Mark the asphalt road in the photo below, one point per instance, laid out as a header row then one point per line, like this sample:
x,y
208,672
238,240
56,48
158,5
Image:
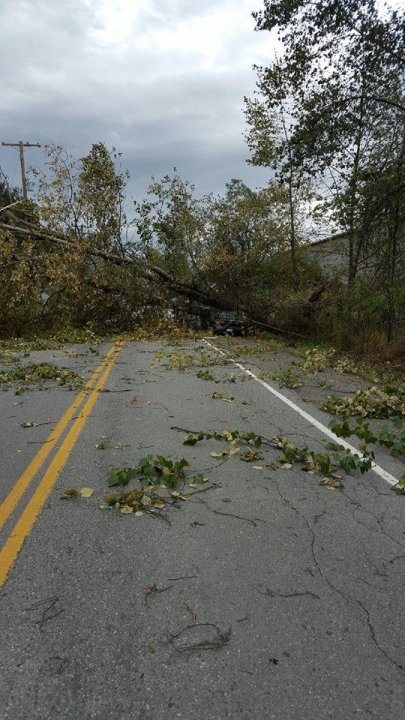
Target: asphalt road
x,y
262,596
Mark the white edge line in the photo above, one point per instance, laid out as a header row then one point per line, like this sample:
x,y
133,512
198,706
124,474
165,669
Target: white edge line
x,y
325,430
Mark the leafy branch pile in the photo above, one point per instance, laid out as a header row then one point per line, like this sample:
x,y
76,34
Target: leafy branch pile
x,y
222,396
23,376
154,474
232,437
392,438
317,359
181,361
325,463
11,349
288,378
372,402
178,361
345,365
160,481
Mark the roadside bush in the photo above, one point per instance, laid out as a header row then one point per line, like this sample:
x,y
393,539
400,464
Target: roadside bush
x,y
364,320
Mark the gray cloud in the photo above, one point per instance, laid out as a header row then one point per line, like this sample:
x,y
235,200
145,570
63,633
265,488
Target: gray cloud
x,y
166,87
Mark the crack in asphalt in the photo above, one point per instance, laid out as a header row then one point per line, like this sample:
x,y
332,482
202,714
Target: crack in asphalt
x,y
251,521
276,594
347,597
379,521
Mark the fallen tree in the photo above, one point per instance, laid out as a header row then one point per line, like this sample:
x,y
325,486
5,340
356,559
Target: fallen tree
x,y
278,320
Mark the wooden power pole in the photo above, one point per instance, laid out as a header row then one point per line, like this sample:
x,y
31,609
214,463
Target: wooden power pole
x,y
21,145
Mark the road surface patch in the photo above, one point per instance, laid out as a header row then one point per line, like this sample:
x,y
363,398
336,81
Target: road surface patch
x,y
24,525
24,481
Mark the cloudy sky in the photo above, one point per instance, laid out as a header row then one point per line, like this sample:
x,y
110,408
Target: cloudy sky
x,y
162,80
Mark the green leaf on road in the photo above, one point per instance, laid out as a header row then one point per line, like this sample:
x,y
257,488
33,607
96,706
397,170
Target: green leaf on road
x,y
399,488
121,476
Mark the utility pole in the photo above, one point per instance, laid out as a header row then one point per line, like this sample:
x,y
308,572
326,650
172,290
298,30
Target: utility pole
x,y
21,145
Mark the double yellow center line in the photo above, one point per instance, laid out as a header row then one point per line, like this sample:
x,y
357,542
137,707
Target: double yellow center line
x,y
15,540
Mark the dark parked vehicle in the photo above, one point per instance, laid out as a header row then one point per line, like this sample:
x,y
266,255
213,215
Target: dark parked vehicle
x,y
229,324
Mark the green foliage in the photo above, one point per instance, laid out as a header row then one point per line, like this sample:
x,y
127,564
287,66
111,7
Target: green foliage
x,y
159,469
8,194
359,318
11,349
349,461
194,438
290,453
205,375
392,437
324,463
288,378
22,268
132,501
211,360
284,289
248,350
221,243
253,441
154,470
84,199
399,488
170,225
70,334
245,228
270,141
20,265
121,476
175,361
152,473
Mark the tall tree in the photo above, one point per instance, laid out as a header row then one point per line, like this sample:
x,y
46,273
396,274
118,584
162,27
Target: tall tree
x,y
170,227
57,192
245,228
270,138
101,189
83,200
342,66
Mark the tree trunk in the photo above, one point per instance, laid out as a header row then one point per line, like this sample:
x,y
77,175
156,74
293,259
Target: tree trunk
x,y
354,253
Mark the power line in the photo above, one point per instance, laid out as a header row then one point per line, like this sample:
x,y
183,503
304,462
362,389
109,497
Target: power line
x,y
21,145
